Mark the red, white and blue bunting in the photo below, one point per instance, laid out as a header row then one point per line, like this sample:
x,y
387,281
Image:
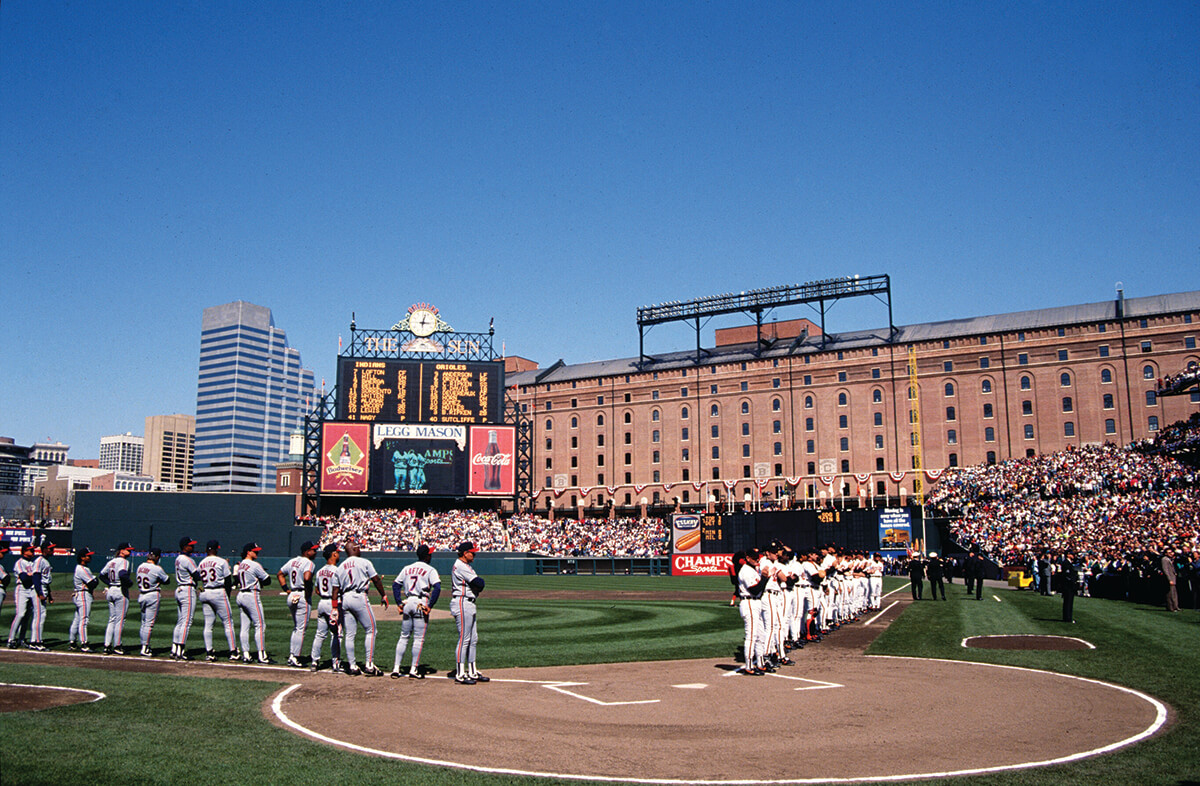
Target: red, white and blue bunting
x,y
862,477
729,484
697,485
897,476
793,481
638,488
828,479
762,484
585,490
934,474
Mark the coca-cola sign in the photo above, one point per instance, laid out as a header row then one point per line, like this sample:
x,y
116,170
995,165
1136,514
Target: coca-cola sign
x,y
493,471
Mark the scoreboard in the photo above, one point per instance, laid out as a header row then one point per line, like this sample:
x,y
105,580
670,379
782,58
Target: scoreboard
x,y
420,391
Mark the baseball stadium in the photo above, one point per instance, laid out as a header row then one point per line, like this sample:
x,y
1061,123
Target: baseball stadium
x,y
595,592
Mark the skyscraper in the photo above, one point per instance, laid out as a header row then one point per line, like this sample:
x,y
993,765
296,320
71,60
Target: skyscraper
x,y
251,394
170,445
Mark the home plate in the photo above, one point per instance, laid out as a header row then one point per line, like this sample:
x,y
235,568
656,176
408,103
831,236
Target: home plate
x,y
692,686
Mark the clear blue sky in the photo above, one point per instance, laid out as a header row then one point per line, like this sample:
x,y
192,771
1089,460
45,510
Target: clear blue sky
x,y
556,165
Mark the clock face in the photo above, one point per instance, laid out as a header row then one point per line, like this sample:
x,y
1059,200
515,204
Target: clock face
x,y
422,322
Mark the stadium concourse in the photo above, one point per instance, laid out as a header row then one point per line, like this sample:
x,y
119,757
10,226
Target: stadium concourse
x,y
1119,510
404,530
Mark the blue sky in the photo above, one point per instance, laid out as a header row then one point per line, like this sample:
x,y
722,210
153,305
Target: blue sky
x,y
556,165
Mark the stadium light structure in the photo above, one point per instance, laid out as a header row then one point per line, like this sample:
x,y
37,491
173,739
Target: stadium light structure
x,y
817,294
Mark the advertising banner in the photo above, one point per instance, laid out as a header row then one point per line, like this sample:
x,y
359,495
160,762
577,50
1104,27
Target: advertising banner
x,y
685,534
344,457
701,564
17,537
418,458
493,464
895,529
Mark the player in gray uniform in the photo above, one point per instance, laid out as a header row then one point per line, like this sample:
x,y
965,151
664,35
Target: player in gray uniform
x,y
28,596
150,580
83,583
465,587
187,578
296,577
329,581
42,566
416,590
252,577
214,599
116,576
5,576
356,607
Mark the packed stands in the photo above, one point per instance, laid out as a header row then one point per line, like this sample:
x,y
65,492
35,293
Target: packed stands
x,y
404,530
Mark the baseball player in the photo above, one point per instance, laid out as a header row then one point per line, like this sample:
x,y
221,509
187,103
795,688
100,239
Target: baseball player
x,y
875,580
115,576
748,587
416,590
187,578
793,594
83,584
296,576
5,576
28,597
252,577
772,605
465,587
356,607
150,580
329,581
214,598
42,565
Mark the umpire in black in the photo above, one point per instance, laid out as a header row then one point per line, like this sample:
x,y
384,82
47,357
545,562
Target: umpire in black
x,y
916,575
935,569
974,570
1070,585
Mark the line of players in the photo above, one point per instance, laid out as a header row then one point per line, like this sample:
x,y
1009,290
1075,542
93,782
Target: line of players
x,y
342,593
786,598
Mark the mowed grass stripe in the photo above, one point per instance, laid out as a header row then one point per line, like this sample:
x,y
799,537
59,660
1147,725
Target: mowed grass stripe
x,y
1141,647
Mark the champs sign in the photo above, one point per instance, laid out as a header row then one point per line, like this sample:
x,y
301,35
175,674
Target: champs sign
x,y
701,564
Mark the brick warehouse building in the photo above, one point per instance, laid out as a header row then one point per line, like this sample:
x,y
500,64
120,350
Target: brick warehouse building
x,y
815,415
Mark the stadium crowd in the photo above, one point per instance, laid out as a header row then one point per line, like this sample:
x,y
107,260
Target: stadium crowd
x,y
404,530
1113,511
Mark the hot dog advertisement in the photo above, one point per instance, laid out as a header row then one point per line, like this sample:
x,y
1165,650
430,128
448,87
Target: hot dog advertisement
x,y
685,534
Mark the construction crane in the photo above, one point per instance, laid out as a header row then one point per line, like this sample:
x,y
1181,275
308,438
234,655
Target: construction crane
x,y
914,402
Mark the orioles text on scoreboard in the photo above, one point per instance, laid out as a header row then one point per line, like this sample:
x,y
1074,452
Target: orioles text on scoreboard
x,y
420,391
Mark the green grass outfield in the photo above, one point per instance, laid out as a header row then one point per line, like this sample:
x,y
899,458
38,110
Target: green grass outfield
x,y
167,729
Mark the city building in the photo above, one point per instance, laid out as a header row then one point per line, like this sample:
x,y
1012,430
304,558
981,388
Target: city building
x,y
809,417
251,393
170,448
21,466
56,493
121,453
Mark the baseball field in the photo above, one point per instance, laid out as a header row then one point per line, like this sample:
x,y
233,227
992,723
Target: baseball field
x,y
611,678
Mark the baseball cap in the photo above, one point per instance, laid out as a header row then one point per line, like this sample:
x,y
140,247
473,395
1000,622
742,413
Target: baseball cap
x,y
423,552
4,545
251,546
466,546
83,551
329,549
214,544
124,545
306,545
185,541
156,552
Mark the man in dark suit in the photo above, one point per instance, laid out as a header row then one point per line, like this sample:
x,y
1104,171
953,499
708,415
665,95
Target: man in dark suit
x,y
975,571
1069,575
1169,573
916,575
935,569
1043,567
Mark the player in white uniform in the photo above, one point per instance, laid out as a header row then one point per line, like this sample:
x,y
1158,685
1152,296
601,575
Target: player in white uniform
x,y
356,608
187,579
83,583
28,595
329,582
252,577
42,566
748,586
214,599
296,577
416,590
772,606
150,580
465,587
116,576
794,595
874,570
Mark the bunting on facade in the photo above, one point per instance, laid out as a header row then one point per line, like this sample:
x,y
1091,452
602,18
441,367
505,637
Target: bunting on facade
x,y
585,490
793,481
729,484
612,490
668,486
897,476
827,479
638,488
698,485
862,477
761,483
934,474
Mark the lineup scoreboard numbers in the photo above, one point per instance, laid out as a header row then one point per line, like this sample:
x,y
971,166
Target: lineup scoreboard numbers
x,y
715,534
420,391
